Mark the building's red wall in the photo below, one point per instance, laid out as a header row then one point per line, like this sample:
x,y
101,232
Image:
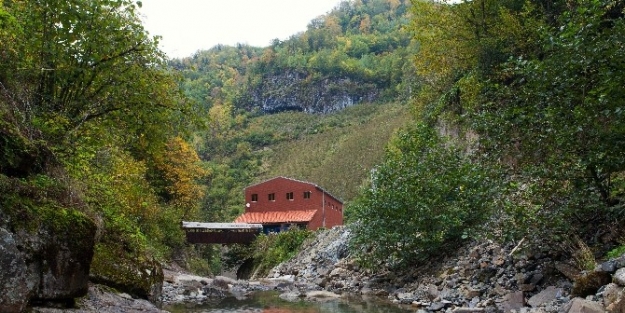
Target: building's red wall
x,y
333,217
280,186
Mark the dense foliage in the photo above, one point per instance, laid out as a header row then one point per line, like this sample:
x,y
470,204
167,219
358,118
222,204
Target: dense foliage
x,y
423,200
534,89
88,105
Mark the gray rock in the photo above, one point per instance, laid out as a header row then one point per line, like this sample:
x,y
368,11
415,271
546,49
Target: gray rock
x,y
467,310
512,301
579,305
545,296
612,296
620,261
608,266
619,277
536,278
292,296
102,300
406,297
310,96
13,276
52,263
437,306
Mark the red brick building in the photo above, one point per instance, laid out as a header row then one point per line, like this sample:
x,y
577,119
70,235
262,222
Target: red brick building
x,y
281,202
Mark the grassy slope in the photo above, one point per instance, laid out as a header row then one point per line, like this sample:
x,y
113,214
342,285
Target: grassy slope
x,y
335,151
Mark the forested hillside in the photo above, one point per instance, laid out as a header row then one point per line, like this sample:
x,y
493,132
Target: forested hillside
x,y
259,117
359,52
335,151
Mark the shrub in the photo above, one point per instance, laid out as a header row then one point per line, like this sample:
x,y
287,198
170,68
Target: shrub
x,y
272,249
426,196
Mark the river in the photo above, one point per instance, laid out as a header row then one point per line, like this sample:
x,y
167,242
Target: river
x,y
269,302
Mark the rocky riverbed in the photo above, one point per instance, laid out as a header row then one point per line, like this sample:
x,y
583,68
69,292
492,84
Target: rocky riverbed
x,y
480,277
185,288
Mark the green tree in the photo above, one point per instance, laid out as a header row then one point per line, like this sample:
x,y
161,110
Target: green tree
x,y
426,196
559,117
83,61
85,92
537,82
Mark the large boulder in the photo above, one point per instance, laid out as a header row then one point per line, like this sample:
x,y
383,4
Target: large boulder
x,y
614,298
45,258
141,277
619,276
102,299
59,254
579,305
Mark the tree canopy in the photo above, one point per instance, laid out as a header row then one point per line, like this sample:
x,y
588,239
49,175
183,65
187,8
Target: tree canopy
x,y
88,103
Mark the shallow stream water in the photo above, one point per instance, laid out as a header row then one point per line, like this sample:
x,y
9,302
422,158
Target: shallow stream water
x,y
269,302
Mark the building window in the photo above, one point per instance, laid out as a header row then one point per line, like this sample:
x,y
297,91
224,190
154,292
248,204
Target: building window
x,y
306,194
289,196
272,197
254,197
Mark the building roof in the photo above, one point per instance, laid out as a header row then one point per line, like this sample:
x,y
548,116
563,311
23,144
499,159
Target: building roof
x,y
299,181
270,217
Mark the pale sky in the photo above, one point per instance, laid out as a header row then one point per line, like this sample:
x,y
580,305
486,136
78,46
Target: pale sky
x,y
190,25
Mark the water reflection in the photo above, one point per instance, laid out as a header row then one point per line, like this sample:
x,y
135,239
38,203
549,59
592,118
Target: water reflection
x,y
268,302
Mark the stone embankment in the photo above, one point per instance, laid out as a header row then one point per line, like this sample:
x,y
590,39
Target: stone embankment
x,y
481,277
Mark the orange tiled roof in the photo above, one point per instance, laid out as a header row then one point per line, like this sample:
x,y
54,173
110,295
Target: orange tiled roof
x,y
276,217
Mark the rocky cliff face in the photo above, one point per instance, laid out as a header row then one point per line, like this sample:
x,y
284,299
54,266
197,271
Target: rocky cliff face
x,y
296,91
48,262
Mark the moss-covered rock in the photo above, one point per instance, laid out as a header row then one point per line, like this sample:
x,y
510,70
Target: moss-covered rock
x,y
66,240
54,242
588,283
127,271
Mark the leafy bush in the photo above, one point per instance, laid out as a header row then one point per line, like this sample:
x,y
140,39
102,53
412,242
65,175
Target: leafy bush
x,y
275,248
267,251
426,196
616,252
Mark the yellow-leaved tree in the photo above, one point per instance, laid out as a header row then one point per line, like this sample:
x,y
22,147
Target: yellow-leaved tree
x,y
181,169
